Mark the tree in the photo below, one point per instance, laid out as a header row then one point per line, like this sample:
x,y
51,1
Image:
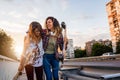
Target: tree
x,y
98,49
6,45
118,47
79,53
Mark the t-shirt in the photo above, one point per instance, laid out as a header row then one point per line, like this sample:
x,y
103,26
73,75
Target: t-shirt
x,y
51,45
35,59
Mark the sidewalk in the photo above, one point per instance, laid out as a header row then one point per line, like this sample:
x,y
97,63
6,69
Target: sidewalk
x,y
23,77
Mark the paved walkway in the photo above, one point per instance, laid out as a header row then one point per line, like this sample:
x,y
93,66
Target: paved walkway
x,y
23,77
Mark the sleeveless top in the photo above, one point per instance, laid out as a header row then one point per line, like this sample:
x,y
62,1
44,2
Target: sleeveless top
x,y
34,59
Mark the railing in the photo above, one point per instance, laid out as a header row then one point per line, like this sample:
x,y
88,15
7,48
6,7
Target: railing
x,y
97,58
4,58
92,68
8,68
112,76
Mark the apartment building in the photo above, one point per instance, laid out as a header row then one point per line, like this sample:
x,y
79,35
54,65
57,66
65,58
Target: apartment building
x,y
113,11
89,45
70,49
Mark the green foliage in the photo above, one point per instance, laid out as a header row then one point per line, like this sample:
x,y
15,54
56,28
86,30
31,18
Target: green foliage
x,y
79,53
6,43
98,49
118,48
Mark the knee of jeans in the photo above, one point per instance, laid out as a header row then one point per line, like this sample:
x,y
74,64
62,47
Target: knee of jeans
x,y
56,68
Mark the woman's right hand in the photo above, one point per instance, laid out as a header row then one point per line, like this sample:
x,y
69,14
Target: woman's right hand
x,y
20,68
22,63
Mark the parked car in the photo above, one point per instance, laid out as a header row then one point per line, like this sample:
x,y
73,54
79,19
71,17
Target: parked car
x,y
111,54
108,54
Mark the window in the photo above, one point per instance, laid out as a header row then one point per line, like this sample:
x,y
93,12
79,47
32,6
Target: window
x,y
115,22
112,6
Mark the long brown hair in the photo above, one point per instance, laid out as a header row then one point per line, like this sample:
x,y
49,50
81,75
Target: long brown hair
x,y
56,26
35,25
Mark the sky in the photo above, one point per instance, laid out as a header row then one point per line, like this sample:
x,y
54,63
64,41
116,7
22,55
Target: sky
x,y
85,19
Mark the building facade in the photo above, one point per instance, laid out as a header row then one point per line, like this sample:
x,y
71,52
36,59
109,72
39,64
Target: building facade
x,y
113,11
70,49
89,45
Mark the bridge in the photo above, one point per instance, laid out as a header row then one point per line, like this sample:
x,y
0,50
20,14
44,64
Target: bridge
x,y
8,68
92,68
88,68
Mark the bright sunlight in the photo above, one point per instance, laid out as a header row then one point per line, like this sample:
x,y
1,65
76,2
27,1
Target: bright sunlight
x,y
18,50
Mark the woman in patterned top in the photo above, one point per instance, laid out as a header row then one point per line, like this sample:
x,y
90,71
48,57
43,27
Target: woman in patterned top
x,y
32,56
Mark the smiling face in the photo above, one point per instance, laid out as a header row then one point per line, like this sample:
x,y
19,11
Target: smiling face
x,y
37,32
52,25
49,24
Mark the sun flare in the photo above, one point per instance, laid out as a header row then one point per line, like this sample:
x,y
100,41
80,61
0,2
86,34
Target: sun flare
x,y
18,50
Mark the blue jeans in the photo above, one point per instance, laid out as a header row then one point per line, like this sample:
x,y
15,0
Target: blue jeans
x,y
51,66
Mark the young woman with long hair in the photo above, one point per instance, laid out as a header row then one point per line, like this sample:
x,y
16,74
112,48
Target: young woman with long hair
x,y
32,56
52,39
